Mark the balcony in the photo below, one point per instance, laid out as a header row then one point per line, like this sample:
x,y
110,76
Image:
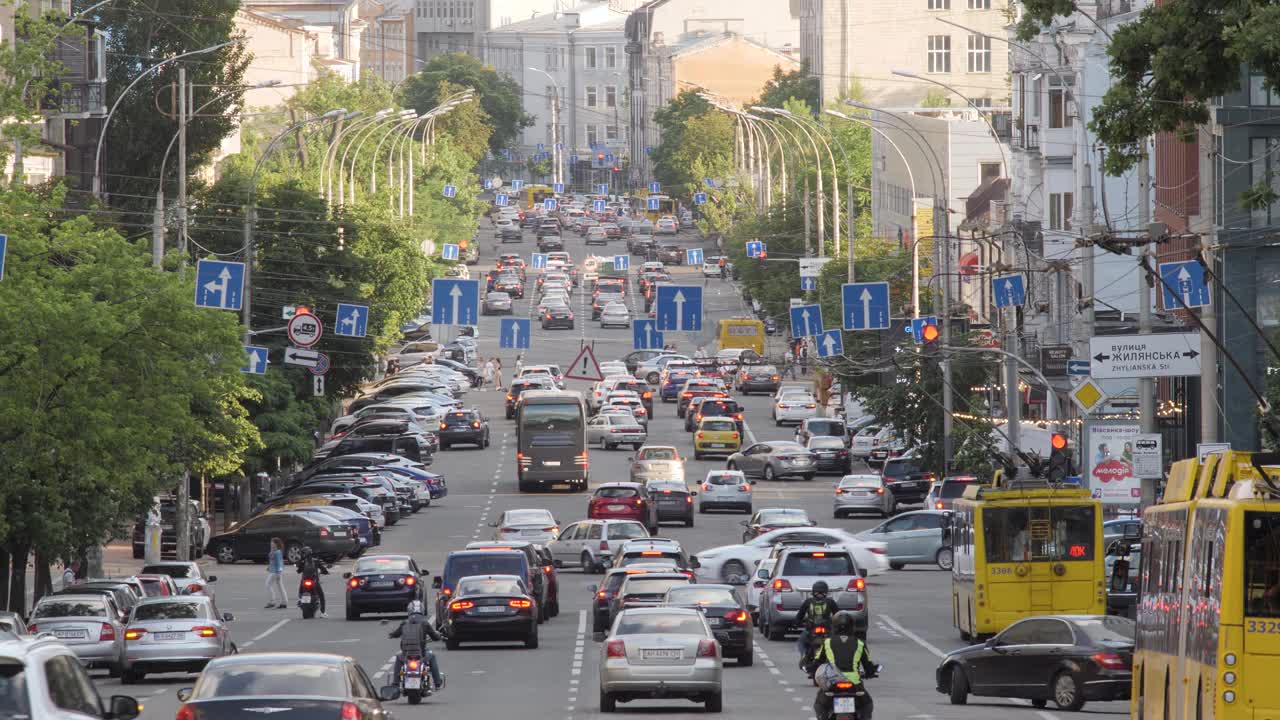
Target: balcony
x,y
1027,138
78,99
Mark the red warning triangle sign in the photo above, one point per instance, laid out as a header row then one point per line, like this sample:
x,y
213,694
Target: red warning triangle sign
x,y
585,367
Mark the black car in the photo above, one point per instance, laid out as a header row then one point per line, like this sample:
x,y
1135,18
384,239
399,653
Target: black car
x,y
467,563
712,407
758,378
726,612
557,316
770,326
464,426
547,227
330,540
407,443
670,254
548,243
383,583
312,685
908,482
1069,659
538,580
516,388
491,607
509,284
830,454
673,499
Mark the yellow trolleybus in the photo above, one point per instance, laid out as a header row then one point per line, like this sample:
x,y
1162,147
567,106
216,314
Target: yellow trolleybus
x,y
535,194
1026,549
1208,639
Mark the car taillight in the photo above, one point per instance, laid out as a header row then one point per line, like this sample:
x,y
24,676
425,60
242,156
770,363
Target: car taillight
x,y
735,436
324,532
520,603
195,587
616,649
688,498
459,605
205,631
738,616
353,582
880,491
839,491
877,550
548,316
640,501
856,585
706,487
185,713
706,648
33,628
938,505
106,633
134,633
441,424
775,377
350,712
782,585
1110,661
411,581
744,488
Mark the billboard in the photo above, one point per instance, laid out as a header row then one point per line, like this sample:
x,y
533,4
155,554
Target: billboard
x,y
1110,461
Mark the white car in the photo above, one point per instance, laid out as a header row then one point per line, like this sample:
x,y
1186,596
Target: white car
x,y
711,267
667,226
615,315
601,390
738,562
614,367
415,352
630,401
534,525
869,438
651,370
611,429
794,407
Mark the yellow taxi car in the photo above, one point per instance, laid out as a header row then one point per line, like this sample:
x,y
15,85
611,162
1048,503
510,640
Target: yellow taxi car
x,y
716,435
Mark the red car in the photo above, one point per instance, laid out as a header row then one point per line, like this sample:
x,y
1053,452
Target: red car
x,y
623,501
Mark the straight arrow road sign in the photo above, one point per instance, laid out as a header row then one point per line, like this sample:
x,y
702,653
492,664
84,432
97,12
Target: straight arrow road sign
x,y
1009,290
353,320
301,357
646,336
865,306
455,301
806,320
1138,356
679,308
513,333
830,343
1190,290
256,362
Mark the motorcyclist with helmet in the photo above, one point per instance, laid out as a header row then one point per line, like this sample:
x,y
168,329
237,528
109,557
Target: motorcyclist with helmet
x,y
414,633
311,568
844,651
817,609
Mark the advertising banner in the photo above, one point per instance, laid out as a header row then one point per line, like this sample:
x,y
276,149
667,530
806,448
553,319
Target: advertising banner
x,y
1111,475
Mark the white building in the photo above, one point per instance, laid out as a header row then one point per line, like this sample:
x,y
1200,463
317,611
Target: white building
x,y
334,27
445,26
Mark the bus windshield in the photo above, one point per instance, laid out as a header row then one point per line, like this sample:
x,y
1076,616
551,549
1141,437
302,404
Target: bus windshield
x,y
551,425
1262,564
1038,534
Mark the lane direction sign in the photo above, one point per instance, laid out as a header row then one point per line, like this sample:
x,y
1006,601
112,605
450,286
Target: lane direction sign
x,y
916,328
317,386
830,343
549,204
517,184
500,199
455,301
646,336
1138,356
539,261
219,284
622,263
865,306
584,367
557,188
513,333
304,329
450,191
755,248
301,357
693,256
806,320
652,203
1009,290
1077,367
1190,289
353,320
699,198
256,360
597,205
808,283
679,308
448,251
602,188
655,187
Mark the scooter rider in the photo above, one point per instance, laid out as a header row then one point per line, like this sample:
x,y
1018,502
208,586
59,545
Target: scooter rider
x,y
414,633
311,567
848,654
817,609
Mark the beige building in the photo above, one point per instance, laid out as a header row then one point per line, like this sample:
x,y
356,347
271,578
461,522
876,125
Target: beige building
x,y
334,27
387,46
448,26
281,51
843,41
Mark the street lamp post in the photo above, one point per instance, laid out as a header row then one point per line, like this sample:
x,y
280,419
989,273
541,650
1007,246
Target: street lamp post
x,y
331,153
822,206
556,174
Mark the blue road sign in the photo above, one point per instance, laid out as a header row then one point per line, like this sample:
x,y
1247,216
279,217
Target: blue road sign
x,y
808,282
693,256
652,203
679,308
549,204
353,320
513,333
916,328
608,157
1077,367
449,251
219,284
648,149
539,261
646,336
865,306
699,198
255,360
557,188
450,191
622,262
830,343
517,184
598,205
755,248
487,184
1009,290
602,188
4,253
500,199
709,182
655,187
455,301
573,159
1190,290
541,147
806,320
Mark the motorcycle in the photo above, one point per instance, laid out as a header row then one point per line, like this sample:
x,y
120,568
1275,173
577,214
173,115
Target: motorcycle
x,y
415,681
814,635
307,599
840,701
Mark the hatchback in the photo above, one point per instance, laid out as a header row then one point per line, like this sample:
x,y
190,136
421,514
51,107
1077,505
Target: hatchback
x,y
623,501
725,489
464,426
716,436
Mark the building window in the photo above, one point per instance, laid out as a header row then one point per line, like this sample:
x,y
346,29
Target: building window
x,y
610,96
939,53
981,102
1060,207
591,96
1059,113
592,136
1260,94
590,57
979,4
939,4
611,57
989,172
610,132
979,54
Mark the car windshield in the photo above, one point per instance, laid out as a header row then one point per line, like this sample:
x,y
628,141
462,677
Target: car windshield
x,y
297,679
1114,630
173,571
782,518
468,565
616,492
529,517
818,563
382,565
860,481
14,704
954,490
656,454
719,425
694,595
169,611
489,586
825,441
826,427
657,624
70,608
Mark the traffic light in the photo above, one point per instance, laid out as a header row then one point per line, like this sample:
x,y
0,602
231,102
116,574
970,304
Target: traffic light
x,y
929,335
462,244
1061,465
761,258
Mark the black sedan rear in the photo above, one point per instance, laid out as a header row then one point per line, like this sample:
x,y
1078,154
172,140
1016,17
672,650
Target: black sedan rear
x,y
727,614
1069,659
487,608
557,316
673,500
306,685
464,426
382,583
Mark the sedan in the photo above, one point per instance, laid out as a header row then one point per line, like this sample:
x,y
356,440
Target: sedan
x,y
252,540
914,538
262,684
794,407
615,315
511,285
757,378
533,525
174,635
1069,659
88,624
671,254
725,489
188,576
862,493
597,236
497,303
674,500
666,226
512,232
726,612
774,460
383,583
557,316
830,454
491,607
660,652
771,519
614,429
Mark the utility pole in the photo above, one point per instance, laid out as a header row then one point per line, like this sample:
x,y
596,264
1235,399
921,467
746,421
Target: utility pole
x,y
1208,355
1146,386
555,134
808,252
942,234
182,524
852,213
157,229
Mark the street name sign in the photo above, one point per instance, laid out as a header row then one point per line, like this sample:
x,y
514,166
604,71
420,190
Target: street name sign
x,y
1144,356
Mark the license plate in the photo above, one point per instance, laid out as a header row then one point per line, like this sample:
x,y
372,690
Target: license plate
x,y
70,634
551,463
715,622
169,635
304,599
412,683
490,609
617,508
381,585
717,445
661,654
845,704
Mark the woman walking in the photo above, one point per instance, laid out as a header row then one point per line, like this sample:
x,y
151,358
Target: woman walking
x,y
487,371
275,576
497,373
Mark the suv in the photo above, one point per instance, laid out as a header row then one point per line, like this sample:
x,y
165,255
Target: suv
x,y
43,678
464,426
821,427
904,477
494,561
943,494
409,444
623,501
797,569
712,407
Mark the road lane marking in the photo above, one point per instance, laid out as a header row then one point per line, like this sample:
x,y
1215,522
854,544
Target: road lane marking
x,y
914,637
267,632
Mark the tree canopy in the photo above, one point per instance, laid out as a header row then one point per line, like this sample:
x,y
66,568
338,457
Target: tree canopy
x,y
798,84
500,96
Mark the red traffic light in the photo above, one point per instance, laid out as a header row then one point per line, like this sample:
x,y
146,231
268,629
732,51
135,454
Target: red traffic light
x,y
600,156
1058,441
929,333
616,168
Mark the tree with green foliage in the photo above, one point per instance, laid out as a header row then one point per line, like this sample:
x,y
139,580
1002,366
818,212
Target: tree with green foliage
x,y
673,119
500,96
799,84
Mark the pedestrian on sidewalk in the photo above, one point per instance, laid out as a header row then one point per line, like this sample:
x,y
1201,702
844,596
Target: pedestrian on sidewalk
x,y
487,371
519,365
69,574
497,373
790,361
804,359
275,576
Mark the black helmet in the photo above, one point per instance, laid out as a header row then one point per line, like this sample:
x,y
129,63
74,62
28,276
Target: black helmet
x,y
306,551
820,589
842,623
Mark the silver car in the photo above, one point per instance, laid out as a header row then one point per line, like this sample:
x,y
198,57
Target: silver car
x,y
496,303
613,429
862,493
660,652
88,624
179,634
774,460
615,315
725,489
533,525
190,579
657,462
591,544
913,538
798,568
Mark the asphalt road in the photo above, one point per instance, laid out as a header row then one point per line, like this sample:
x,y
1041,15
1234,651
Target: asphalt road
x,y
910,625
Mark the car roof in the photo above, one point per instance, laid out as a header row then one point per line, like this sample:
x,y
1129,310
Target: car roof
x,y
281,658
200,599
619,484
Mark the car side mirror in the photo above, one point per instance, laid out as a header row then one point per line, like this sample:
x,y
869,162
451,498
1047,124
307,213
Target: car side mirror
x,y
389,693
744,523
212,579
184,694
991,643
1120,575
593,589
437,583
346,576
228,617
424,573
123,707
